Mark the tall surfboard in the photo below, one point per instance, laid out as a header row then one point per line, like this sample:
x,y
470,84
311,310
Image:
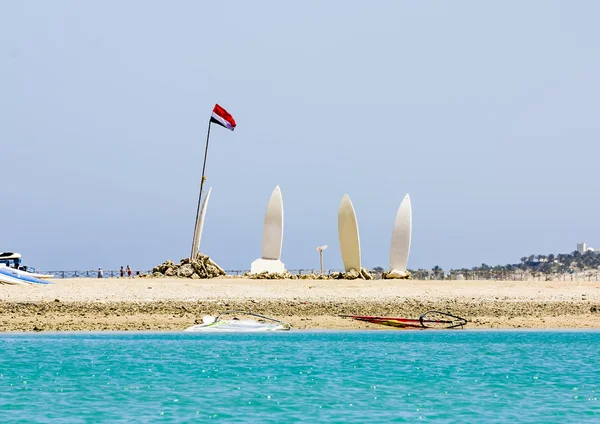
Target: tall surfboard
x,y
348,235
401,235
201,220
272,240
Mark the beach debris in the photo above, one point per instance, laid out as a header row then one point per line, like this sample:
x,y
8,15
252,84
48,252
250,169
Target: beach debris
x,y
198,268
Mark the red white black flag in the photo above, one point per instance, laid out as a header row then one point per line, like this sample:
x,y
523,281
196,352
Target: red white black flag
x,y
222,117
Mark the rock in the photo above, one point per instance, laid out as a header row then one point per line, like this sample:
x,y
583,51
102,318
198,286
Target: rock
x,y
163,267
265,275
352,274
365,274
212,263
186,270
398,275
157,274
212,270
199,267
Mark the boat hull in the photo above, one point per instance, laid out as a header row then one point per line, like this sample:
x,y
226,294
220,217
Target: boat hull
x,y
22,275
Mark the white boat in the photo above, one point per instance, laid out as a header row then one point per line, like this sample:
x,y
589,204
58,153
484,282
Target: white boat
x,y
218,324
12,260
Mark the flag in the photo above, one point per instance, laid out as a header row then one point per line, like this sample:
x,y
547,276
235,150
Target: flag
x,y
222,117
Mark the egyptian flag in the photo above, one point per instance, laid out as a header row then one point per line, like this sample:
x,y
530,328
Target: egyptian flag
x,y
222,117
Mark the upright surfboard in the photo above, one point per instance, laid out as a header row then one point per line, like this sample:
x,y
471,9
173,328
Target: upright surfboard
x,y
401,235
272,241
201,220
348,235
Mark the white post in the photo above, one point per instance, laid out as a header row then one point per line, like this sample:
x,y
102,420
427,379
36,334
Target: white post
x,y
320,250
321,260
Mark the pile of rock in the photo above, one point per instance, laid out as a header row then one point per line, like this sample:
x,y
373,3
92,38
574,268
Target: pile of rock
x,y
396,275
198,268
352,275
271,276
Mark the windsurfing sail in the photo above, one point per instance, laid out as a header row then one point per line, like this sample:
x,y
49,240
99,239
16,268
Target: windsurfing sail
x,y
430,319
212,324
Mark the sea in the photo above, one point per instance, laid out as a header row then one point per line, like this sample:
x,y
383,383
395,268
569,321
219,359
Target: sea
x,y
301,376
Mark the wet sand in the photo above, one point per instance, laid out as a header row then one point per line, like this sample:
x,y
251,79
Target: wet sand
x,y
174,304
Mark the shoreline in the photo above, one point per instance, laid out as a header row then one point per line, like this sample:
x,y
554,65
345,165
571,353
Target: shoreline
x,y
171,304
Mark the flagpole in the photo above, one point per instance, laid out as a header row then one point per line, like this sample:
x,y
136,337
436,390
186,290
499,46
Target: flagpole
x,y
194,245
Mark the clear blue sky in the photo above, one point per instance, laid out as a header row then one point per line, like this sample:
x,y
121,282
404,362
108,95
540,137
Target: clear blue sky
x,y
486,113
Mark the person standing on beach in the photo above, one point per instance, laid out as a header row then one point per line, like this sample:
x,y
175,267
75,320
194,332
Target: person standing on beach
x,y
100,273
128,271
122,271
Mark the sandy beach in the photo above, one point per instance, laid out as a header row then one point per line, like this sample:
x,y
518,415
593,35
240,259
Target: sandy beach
x,y
174,304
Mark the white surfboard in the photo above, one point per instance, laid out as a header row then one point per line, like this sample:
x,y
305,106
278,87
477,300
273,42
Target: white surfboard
x,y
272,241
201,219
401,235
348,235
7,279
29,274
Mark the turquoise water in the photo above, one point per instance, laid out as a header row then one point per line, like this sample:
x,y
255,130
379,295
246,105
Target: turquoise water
x,y
375,376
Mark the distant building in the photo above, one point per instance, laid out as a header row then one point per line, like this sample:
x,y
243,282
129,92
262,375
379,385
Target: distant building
x,y
582,248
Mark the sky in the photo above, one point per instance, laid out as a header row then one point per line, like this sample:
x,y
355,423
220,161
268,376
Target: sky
x,y
485,113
